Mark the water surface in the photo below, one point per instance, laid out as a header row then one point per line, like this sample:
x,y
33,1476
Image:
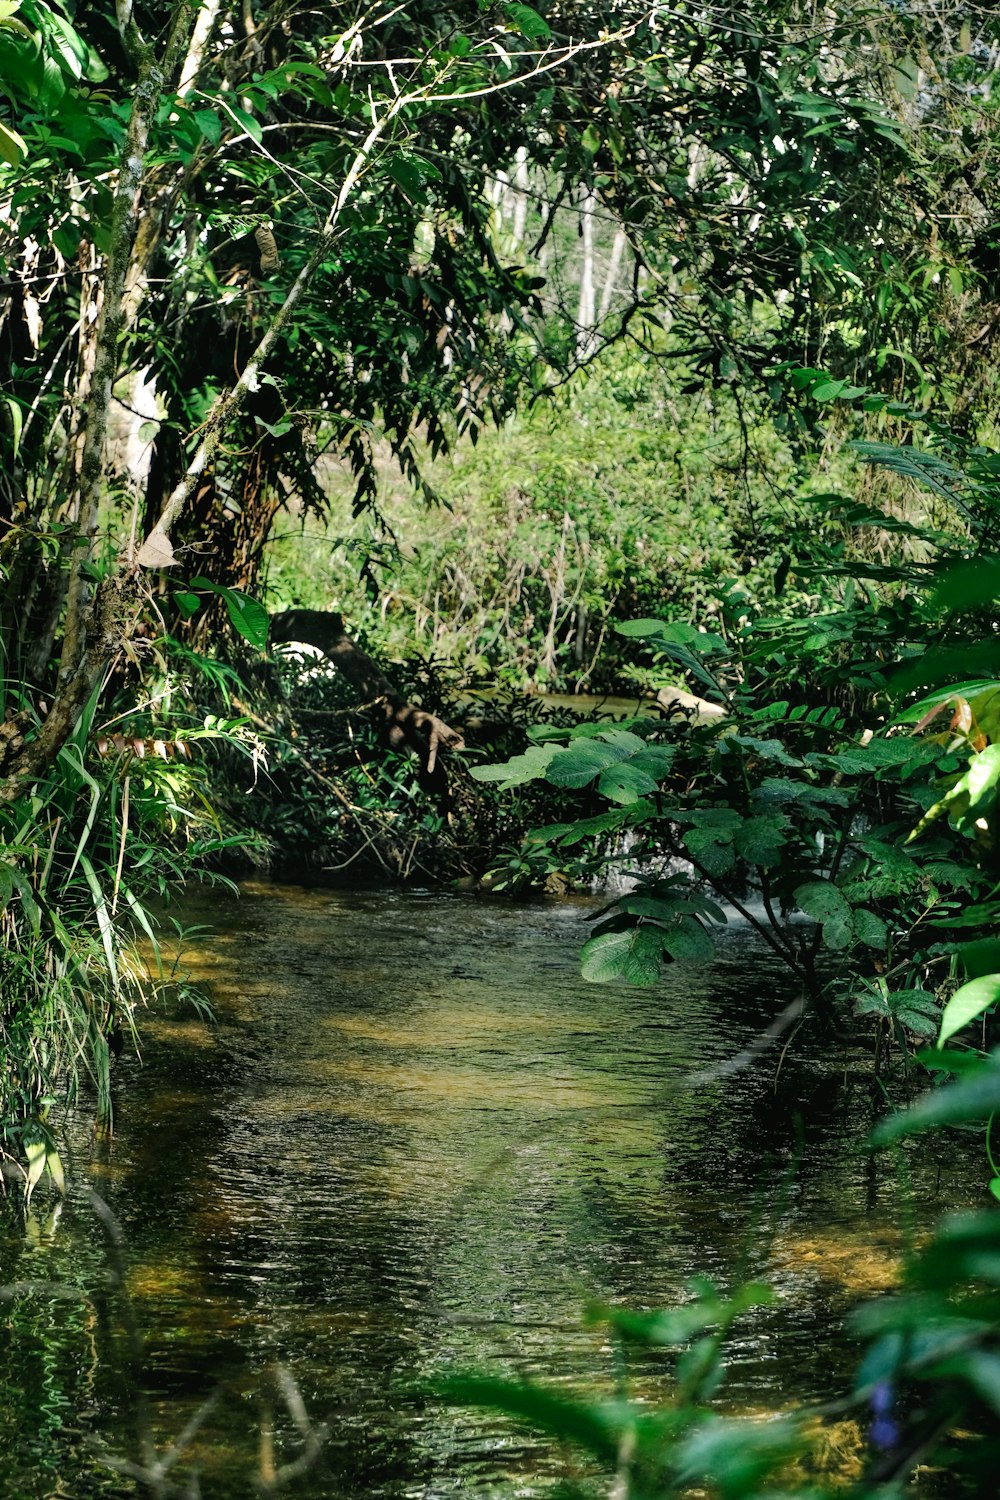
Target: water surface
x,y
414,1141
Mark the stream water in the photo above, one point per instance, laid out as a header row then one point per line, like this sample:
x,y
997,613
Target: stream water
x,y
412,1142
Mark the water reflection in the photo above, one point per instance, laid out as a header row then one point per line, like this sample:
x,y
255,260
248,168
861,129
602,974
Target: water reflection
x,y
415,1139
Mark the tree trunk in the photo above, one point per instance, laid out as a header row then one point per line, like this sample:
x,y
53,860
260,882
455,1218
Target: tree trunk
x,y
401,723
586,315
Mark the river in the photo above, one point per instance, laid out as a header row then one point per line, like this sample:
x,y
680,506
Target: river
x,y
413,1141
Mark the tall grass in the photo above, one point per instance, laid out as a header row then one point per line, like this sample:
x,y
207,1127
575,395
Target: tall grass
x,y
87,856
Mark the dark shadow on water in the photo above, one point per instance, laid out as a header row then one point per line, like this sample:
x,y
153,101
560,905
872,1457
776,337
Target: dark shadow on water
x,y
415,1139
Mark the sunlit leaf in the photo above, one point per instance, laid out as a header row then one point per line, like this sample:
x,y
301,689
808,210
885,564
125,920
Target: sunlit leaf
x,y
974,1097
967,1004
633,956
531,766
595,1428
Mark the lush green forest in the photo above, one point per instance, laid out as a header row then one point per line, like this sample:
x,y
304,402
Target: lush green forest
x,y
543,452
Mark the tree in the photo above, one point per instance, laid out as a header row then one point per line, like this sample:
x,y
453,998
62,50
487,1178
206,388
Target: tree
x,y
297,257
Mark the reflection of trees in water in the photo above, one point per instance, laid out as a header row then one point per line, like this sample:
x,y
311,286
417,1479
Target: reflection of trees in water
x,y
382,1169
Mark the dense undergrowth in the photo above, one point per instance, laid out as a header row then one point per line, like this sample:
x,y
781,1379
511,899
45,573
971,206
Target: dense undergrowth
x,y
574,516
845,800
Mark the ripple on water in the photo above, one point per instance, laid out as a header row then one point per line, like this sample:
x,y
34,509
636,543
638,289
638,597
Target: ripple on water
x,y
415,1140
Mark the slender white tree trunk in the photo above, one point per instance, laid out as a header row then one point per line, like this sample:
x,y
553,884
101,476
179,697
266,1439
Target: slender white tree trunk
x,y
520,194
207,17
614,266
586,315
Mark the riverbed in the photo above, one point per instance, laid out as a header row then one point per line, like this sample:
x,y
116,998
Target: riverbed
x,y
412,1141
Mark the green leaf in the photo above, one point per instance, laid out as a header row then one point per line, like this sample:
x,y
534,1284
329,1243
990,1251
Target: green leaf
x,y
971,800
710,841
823,901
675,1326
209,125
581,761
406,172
626,783
689,940
73,51
565,834
760,840
13,149
870,928
531,766
769,750
250,125
967,1004
248,617
590,140
968,584
188,604
633,956
532,26
973,1097
16,421
656,759
596,1429
828,390
916,1021
980,956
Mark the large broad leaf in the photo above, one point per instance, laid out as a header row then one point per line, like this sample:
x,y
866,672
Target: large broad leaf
x,y
626,783
623,740
656,759
968,584
824,902
687,940
532,26
630,957
760,840
968,1004
580,762
980,956
870,928
531,766
710,842
249,618
917,1010
667,907
974,1097
967,690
